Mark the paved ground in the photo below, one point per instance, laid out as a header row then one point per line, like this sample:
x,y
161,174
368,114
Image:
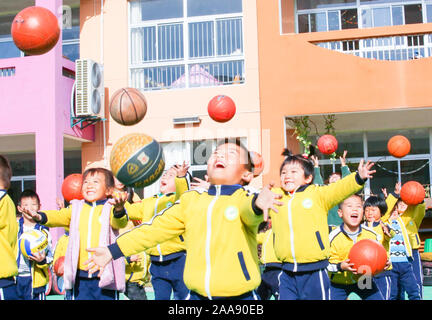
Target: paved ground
x,y
427,292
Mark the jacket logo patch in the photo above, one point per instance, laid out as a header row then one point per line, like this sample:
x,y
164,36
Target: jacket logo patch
x,y
307,203
231,213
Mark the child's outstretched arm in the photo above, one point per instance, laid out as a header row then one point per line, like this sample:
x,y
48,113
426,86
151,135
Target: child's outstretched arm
x,y
317,172
268,200
391,200
50,218
166,225
119,218
181,182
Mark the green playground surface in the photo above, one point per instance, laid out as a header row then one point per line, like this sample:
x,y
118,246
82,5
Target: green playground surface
x,y
427,295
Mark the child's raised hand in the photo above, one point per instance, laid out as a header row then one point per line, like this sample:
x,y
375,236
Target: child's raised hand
x,y
343,158
315,161
200,183
135,258
397,188
118,200
99,259
385,229
60,203
364,170
181,169
384,191
267,200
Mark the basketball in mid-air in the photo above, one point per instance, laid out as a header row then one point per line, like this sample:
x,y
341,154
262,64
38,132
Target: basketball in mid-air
x,y
137,160
128,106
398,146
412,193
327,144
35,30
221,108
71,187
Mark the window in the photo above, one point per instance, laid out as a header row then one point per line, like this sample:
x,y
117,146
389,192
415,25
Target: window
x,y
8,11
174,49
373,146
327,15
71,29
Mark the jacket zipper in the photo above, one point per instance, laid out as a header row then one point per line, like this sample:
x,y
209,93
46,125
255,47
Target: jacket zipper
x,y
208,239
292,232
89,232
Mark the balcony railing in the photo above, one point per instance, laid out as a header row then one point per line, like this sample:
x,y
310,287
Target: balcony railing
x,y
402,47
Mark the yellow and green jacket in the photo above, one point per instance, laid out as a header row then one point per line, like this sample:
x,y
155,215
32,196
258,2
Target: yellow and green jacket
x,y
340,246
268,257
61,247
89,226
148,208
411,218
300,227
219,226
8,240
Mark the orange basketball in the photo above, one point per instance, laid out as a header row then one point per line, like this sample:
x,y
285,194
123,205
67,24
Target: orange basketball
x,y
398,146
71,187
221,108
258,163
327,144
368,256
59,266
412,193
128,106
35,30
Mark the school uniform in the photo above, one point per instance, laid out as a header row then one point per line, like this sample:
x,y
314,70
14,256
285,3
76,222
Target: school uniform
x,y
168,258
272,267
8,247
90,225
33,276
219,226
343,282
301,236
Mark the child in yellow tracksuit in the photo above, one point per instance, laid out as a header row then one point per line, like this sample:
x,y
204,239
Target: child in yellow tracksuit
x,y
92,221
404,220
272,266
8,235
33,273
343,276
219,226
301,229
168,258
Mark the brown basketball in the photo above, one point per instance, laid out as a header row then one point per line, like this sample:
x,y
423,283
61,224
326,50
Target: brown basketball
x,y
128,106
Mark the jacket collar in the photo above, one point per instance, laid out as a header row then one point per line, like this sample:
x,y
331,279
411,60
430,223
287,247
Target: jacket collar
x,y
299,189
3,192
225,189
98,202
345,233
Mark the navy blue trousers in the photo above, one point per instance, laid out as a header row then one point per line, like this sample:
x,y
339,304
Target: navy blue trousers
x,y
167,277
308,285
269,284
342,291
88,289
402,276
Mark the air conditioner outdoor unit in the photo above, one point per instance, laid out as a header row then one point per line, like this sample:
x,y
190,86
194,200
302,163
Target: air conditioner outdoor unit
x,y
89,92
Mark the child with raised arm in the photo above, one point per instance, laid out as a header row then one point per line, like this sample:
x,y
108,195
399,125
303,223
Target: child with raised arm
x,y
168,258
8,235
402,219
301,230
93,221
219,226
33,273
344,278
333,217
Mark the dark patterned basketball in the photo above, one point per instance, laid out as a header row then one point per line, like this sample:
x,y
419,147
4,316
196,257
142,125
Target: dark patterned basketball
x,y
128,106
137,160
